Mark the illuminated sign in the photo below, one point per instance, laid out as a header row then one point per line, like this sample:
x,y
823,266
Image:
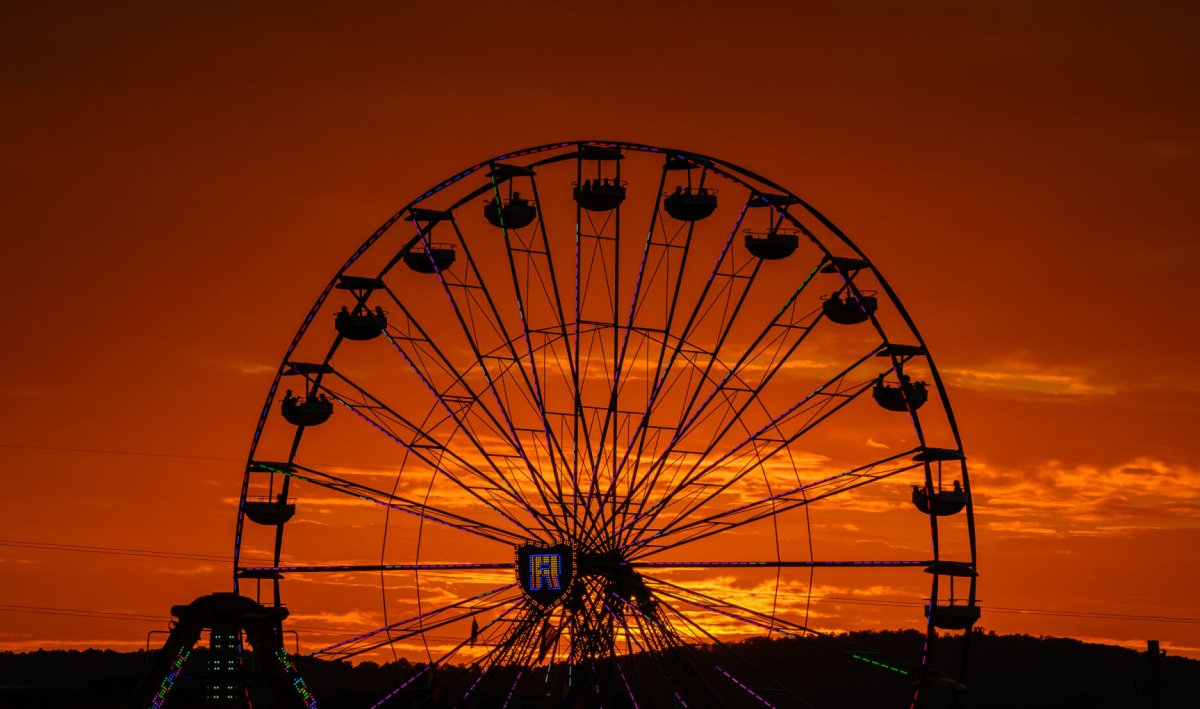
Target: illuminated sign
x,y
544,572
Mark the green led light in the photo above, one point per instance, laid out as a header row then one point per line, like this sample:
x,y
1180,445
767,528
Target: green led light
x,y
869,661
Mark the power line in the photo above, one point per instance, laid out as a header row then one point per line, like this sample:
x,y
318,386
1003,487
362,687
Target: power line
x,y
1094,614
112,550
110,451
81,613
147,454
121,551
136,617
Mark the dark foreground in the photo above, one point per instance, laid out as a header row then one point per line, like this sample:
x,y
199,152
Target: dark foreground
x,y
1009,671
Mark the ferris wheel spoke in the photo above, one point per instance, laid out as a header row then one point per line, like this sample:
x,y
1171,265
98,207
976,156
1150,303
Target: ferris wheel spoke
x,y
438,662
429,513
598,283
644,283
461,411
619,619
621,349
430,361
730,609
726,389
767,442
679,532
699,632
510,657
450,386
653,644
662,381
638,436
776,344
770,622
529,387
504,659
809,412
669,652
457,398
423,622
466,313
533,258
637,440
441,456
735,287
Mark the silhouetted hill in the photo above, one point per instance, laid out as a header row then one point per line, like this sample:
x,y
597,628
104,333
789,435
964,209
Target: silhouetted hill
x,y
1006,671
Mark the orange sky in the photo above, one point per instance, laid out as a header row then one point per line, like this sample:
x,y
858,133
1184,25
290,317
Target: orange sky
x,y
179,184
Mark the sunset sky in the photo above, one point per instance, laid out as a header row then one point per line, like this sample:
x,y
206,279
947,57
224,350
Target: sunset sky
x,y
180,182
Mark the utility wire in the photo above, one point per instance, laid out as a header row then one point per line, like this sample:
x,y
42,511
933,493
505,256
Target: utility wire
x,y
121,551
112,550
79,612
147,454
107,451
142,618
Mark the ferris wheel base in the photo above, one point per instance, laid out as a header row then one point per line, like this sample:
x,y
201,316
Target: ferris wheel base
x,y
262,677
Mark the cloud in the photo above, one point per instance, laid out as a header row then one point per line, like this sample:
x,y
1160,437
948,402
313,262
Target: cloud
x,y
1053,498
353,618
241,366
197,570
1024,378
1172,151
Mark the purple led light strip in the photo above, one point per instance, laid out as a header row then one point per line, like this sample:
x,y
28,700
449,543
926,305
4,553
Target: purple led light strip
x,y
447,655
379,567
513,688
738,682
770,564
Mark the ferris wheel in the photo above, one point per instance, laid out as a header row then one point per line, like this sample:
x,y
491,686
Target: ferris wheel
x,y
589,423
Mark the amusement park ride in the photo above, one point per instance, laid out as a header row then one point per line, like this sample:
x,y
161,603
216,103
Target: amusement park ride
x,y
559,392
